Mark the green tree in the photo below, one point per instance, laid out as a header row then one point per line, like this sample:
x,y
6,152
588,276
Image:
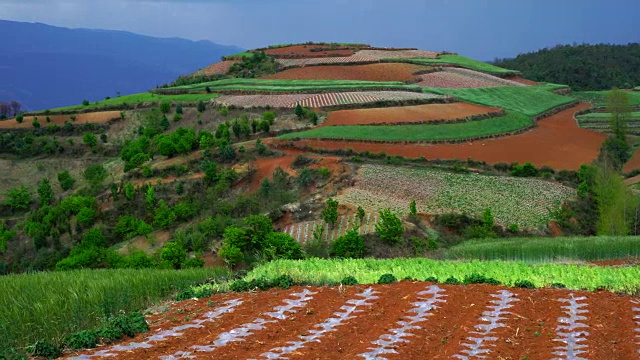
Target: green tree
x,y
620,109
179,109
164,215
350,245
36,124
85,102
269,116
201,106
615,203
165,107
413,210
90,139
86,216
237,128
20,118
129,191
95,174
45,192
330,212
18,198
174,254
299,112
150,197
389,227
487,219
360,214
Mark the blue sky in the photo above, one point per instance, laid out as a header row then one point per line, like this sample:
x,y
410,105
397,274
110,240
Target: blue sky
x,y
482,29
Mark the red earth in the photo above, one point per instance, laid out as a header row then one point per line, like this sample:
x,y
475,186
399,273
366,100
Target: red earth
x,y
100,117
219,68
522,80
407,114
304,51
633,163
369,72
557,141
530,326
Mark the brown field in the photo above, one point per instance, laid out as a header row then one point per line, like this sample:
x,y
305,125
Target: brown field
x,y
353,322
557,141
304,51
407,114
219,68
91,118
369,72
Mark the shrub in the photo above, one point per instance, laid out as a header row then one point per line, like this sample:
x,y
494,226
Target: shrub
x,y
330,212
281,246
90,139
20,118
165,107
45,192
413,211
18,198
432,279
86,216
86,339
350,245
387,279
240,286
185,210
452,281
478,232
174,254
179,109
231,255
201,106
45,349
348,281
389,227
269,116
129,324
283,282
480,279
85,102
36,124
525,284
95,174
526,170
164,216
195,262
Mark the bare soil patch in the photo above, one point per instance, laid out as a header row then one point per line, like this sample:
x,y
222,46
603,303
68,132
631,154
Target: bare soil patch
x,y
369,72
100,117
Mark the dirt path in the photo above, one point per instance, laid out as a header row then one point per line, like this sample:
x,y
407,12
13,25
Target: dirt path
x,y
408,320
407,114
557,141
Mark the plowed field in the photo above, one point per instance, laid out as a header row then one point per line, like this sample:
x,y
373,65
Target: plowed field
x,y
305,51
370,72
407,114
91,118
219,68
557,141
408,320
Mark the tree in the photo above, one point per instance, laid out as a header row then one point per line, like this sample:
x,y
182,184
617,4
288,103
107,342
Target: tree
x,y
65,180
45,192
201,106
360,214
174,254
269,116
179,109
389,227
299,112
164,216
264,126
85,102
95,174
487,219
129,191
150,197
164,123
36,124
165,107
237,128
620,109
86,216
20,118
615,202
330,212
90,139
313,117
413,210
18,198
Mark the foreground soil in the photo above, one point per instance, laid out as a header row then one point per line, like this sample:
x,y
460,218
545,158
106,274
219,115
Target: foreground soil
x,y
407,114
434,321
371,72
556,141
80,119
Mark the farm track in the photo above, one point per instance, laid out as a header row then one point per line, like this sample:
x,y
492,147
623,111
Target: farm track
x,y
556,141
408,320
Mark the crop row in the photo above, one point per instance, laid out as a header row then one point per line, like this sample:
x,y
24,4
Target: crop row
x,y
322,100
521,201
459,61
451,80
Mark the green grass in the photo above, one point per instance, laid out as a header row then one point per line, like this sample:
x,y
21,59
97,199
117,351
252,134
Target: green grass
x,y
605,117
424,132
139,98
599,98
537,250
461,61
237,84
51,305
367,271
529,100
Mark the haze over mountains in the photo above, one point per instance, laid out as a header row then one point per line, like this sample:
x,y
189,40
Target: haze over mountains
x,y
45,66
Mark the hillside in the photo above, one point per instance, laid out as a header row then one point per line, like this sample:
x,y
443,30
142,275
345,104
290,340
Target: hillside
x,y
582,67
45,66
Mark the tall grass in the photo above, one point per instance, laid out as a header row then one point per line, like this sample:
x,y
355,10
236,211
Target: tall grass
x,y
512,121
51,305
322,271
529,100
539,250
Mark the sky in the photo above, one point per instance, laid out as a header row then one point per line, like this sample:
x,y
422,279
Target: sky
x,y
482,29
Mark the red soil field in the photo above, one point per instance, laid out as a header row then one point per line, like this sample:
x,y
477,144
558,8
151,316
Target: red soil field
x,y
91,118
410,114
369,72
219,68
633,163
557,141
445,322
302,51
522,80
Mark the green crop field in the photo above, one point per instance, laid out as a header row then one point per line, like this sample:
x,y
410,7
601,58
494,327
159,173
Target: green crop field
x,y
599,98
544,250
512,200
605,117
269,85
461,61
51,305
529,100
512,121
367,271
139,98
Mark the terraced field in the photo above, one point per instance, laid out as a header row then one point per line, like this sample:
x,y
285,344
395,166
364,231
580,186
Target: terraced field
x,y
521,201
369,72
461,61
219,68
599,98
600,121
408,320
59,120
135,99
325,99
454,78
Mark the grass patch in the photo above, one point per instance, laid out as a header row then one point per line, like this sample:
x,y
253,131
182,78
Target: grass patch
x,y
52,305
512,121
599,98
605,117
238,84
368,271
139,98
529,100
461,61
542,250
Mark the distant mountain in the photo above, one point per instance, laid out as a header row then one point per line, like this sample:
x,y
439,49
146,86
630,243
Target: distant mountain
x,y
583,67
45,66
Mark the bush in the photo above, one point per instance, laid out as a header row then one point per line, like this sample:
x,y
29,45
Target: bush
x,y
432,279
86,216
129,324
480,279
525,284
526,170
18,198
281,246
165,107
45,349
387,279
240,286
330,212
86,339
201,106
283,282
350,245
20,118
269,116
231,255
452,281
90,139
95,174
195,262
389,227
164,216
85,102
348,281
36,124
174,254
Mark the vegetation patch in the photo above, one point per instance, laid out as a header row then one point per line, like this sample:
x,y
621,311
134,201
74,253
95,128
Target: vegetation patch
x,y
457,60
135,99
600,98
